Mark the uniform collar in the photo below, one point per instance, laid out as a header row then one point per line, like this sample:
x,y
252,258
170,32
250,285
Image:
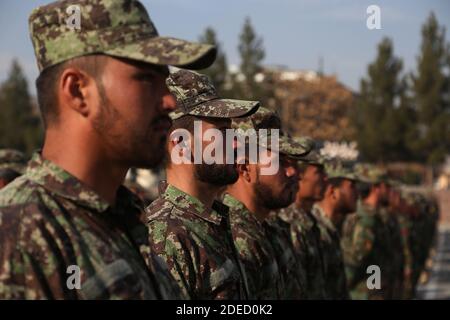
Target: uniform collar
x,y
239,209
58,181
364,209
320,215
185,201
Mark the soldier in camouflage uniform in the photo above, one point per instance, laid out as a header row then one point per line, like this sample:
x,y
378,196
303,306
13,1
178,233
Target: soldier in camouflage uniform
x,y
364,236
68,230
252,198
188,228
304,232
389,215
420,236
405,208
339,200
12,165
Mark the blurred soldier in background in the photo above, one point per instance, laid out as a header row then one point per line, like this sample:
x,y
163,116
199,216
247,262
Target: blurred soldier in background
x,y
12,165
364,236
391,215
339,200
422,228
304,231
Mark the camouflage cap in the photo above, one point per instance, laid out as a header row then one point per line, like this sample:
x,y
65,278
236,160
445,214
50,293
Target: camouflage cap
x,y
394,183
336,168
265,118
119,28
197,96
12,159
313,157
370,173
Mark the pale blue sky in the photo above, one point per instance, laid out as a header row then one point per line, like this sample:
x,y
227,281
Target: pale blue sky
x,y
295,32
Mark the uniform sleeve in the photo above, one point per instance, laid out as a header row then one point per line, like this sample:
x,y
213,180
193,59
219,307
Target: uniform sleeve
x,y
181,256
362,241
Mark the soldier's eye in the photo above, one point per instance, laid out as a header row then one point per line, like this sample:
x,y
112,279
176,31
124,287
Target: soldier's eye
x,y
146,77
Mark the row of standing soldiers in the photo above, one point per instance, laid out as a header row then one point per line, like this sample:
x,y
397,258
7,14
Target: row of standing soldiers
x,y
313,249
312,228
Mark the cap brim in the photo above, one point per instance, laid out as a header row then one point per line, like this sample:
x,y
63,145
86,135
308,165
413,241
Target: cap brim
x,y
168,51
292,148
19,168
287,146
314,158
221,108
348,176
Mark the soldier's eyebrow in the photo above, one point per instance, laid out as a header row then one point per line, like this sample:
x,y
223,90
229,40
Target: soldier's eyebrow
x,y
150,72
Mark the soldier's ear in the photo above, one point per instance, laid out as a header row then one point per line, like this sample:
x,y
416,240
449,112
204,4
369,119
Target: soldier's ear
x,y
333,191
179,146
76,90
244,171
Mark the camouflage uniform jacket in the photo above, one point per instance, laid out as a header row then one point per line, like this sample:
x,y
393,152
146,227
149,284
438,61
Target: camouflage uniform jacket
x,y
394,254
197,245
255,251
49,221
363,245
305,236
293,277
405,227
335,279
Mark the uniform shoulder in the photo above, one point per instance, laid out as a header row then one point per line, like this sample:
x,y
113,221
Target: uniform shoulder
x,y
164,219
22,206
20,192
163,209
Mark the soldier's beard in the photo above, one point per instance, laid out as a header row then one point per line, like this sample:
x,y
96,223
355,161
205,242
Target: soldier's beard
x,y
130,147
347,207
265,195
216,174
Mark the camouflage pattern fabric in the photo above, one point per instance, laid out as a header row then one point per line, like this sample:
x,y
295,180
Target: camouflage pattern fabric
x,y
49,221
293,277
255,251
371,174
196,95
197,245
336,168
405,231
305,237
363,244
119,28
394,254
265,119
13,160
335,279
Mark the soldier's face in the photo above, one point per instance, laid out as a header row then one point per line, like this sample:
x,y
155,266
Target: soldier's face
x,y
384,193
394,198
278,190
133,109
218,174
348,196
312,183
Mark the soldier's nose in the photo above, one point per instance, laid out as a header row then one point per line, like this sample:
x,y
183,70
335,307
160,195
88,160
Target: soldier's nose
x,y
290,171
168,102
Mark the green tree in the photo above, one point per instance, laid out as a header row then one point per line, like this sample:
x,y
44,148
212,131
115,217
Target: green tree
x,y
218,71
382,109
19,124
252,54
431,94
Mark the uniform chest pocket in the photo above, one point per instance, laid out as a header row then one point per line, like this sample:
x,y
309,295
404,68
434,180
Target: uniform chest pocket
x,y
114,280
227,272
